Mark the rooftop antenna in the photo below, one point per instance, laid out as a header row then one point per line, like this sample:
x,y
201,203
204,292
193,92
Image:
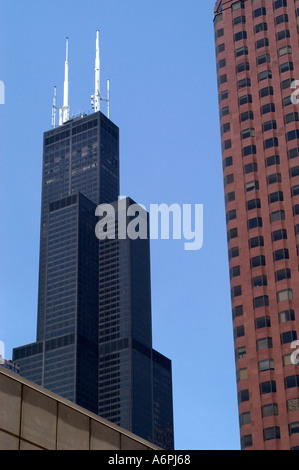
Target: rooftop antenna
x,y
108,99
97,98
54,107
64,111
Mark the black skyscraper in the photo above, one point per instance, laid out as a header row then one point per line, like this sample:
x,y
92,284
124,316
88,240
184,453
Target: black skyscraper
x,y
80,171
135,384
94,334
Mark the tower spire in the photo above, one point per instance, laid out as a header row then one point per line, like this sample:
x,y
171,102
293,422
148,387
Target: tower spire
x,y
96,98
54,107
64,113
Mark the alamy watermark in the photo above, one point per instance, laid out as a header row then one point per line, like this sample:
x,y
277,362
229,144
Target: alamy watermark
x,y
165,222
2,92
295,354
295,86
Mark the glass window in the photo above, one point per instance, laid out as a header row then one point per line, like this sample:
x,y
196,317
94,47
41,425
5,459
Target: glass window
x,y
237,311
246,441
259,12
262,43
263,322
245,99
271,433
237,5
266,364
250,168
277,215
284,50
263,59
249,150
254,204
242,374
270,410
273,160
241,51
257,261
268,387
255,222
286,294
286,66
261,301
287,315
274,178
240,35
294,171
292,381
264,75
261,27
281,19
256,241
240,353
282,274
283,253
288,337
244,418
294,428
243,395
264,343
280,234
279,3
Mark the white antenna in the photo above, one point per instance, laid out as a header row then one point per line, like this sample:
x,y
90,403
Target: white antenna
x,y
108,99
54,107
64,111
97,98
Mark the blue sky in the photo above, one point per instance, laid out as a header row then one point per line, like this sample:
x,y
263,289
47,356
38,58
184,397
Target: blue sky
x,y
159,57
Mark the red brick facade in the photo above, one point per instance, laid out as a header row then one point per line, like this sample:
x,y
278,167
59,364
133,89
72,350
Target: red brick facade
x,y
257,54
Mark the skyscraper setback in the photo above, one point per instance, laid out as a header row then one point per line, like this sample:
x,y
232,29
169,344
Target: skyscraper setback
x,y
257,55
94,335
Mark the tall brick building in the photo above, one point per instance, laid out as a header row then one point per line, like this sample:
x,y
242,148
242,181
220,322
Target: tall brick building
x,y
257,54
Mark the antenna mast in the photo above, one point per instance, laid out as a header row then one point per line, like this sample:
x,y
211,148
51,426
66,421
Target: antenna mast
x,y
54,107
64,111
97,98
108,99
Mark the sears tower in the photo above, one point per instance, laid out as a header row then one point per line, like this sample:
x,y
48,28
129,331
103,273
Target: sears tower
x,y
94,338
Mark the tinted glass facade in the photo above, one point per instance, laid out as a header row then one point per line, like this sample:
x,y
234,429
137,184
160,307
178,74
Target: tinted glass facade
x,y
65,362
80,171
257,56
127,394
94,336
81,156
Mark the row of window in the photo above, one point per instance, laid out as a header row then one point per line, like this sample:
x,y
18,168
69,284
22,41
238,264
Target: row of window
x,y
269,434
271,409
263,92
252,167
254,185
255,222
263,300
264,109
259,281
265,343
269,387
257,12
263,26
